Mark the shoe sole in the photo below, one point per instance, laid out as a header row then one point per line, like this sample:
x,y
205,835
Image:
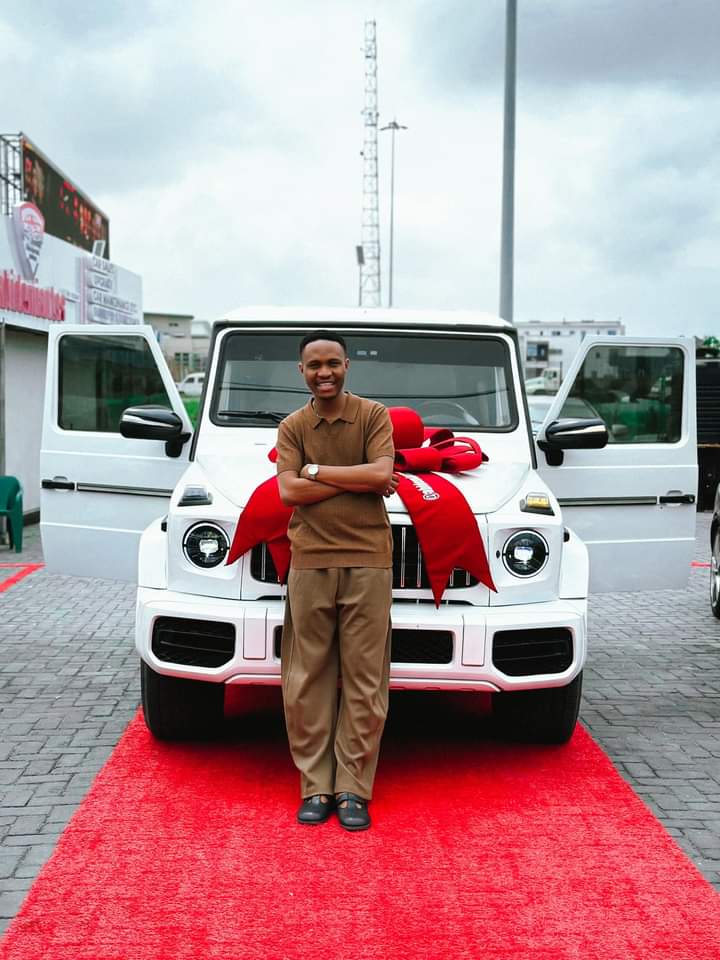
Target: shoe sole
x,y
364,826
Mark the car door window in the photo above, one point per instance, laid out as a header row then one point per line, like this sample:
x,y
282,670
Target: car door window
x,y
637,390
100,376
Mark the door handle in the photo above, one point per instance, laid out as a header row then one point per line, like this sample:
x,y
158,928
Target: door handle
x,y
58,483
672,497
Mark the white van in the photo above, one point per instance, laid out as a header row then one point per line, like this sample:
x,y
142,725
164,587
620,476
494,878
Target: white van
x,y
599,503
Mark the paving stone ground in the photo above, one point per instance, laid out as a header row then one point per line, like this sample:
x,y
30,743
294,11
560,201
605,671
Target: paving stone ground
x,y
69,686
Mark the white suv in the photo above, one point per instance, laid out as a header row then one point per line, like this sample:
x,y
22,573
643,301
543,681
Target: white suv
x,y
133,494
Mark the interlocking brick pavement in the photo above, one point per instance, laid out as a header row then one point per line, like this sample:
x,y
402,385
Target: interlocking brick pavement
x,y
69,686
652,701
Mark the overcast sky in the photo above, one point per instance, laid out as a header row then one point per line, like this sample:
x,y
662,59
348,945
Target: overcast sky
x,y
223,140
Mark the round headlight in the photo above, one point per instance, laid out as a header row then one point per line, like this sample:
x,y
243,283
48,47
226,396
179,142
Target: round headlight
x,y
206,545
525,553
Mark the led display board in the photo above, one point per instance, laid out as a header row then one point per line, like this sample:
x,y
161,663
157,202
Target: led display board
x,y
68,213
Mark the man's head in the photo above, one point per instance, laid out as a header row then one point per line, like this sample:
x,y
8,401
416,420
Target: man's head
x,y
323,363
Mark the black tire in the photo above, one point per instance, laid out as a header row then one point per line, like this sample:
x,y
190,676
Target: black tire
x,y
538,716
715,576
178,709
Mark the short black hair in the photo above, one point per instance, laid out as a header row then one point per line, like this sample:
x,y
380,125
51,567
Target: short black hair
x,y
322,335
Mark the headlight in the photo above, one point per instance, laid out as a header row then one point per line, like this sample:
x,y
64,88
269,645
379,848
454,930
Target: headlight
x,y
206,544
525,553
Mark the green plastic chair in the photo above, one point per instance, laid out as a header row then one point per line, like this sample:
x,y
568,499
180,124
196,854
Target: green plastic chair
x,y
11,506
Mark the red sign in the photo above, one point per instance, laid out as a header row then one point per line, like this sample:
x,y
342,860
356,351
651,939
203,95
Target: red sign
x,y
20,297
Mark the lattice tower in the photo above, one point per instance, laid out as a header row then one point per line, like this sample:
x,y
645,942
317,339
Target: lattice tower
x,y
370,265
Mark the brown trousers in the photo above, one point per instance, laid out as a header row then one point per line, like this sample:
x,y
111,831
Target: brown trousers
x,y
337,625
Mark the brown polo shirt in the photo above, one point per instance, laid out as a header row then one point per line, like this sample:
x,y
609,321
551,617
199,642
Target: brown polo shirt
x,y
351,529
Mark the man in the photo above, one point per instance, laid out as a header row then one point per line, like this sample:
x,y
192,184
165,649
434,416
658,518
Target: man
x,y
335,463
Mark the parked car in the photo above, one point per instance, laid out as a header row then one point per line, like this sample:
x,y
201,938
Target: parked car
x,y
139,496
192,384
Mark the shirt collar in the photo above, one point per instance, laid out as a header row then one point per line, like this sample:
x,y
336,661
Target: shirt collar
x,y
349,411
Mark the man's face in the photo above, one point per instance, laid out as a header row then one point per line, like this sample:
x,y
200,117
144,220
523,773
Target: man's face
x,y
324,365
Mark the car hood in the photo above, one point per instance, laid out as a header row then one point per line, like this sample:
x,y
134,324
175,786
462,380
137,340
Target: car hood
x,y
485,489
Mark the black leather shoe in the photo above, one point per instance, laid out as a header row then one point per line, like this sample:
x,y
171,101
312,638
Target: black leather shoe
x,y
355,815
314,810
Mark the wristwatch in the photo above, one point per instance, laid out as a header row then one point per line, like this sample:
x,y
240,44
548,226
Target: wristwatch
x,y
312,471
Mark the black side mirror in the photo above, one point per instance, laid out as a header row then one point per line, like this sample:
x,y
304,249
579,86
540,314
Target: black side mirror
x,y
572,434
154,423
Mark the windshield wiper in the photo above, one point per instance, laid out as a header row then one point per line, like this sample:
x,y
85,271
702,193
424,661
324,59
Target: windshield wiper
x,y
253,415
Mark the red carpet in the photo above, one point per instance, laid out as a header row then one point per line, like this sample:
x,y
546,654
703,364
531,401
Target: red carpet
x,y
479,850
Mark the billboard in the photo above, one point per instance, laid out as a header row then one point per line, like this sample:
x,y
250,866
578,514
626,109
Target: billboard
x,y
69,215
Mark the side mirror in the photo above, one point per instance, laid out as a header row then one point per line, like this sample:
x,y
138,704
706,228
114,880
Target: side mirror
x,y
572,434
154,423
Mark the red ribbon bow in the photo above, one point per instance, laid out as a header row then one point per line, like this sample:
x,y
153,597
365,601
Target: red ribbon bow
x,y
446,527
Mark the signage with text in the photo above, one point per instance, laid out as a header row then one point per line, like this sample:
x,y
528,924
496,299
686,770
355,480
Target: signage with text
x,y
100,301
17,296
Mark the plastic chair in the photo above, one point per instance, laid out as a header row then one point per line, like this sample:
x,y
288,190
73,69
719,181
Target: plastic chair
x,y
11,506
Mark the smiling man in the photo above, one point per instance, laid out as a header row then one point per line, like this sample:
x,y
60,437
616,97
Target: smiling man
x,y
335,464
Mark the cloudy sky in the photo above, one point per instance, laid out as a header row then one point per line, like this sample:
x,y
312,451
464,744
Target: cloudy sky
x,y
223,140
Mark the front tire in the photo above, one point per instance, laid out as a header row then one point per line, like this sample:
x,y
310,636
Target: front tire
x,y
539,716
176,708
715,576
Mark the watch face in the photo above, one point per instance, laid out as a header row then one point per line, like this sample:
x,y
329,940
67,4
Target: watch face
x,y
313,469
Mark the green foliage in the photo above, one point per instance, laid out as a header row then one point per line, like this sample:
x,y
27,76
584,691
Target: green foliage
x,y
192,405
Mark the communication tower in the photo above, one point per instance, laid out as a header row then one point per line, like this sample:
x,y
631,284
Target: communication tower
x,y
368,253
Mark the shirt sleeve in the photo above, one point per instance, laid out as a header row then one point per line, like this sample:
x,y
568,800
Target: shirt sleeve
x,y
289,449
379,435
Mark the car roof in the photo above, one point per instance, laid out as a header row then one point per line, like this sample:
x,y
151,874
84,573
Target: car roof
x,y
342,316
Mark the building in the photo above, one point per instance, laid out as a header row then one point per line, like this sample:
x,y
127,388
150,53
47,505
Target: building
x,y
547,349
46,278
184,341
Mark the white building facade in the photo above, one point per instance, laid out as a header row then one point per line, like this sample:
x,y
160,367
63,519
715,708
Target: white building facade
x,y
547,349
45,281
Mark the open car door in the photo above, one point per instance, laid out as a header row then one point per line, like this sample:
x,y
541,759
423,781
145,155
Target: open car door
x,y
633,501
99,489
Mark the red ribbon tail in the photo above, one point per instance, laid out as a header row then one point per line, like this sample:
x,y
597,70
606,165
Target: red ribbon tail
x,y
264,519
447,530
280,553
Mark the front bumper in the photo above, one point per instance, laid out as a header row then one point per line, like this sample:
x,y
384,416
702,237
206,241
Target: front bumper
x,y
472,629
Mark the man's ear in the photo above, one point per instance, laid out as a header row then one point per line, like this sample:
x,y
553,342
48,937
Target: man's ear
x,y
347,362
300,366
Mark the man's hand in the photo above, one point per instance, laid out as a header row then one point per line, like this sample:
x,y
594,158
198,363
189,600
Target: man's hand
x,y
392,486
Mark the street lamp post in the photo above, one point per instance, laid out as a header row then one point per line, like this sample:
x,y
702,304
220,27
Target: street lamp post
x,y
394,126
508,186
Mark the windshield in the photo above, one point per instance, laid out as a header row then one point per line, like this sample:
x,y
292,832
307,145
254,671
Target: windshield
x,y
450,381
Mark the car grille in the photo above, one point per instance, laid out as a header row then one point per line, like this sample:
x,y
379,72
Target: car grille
x,y
197,643
407,646
523,653
408,567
